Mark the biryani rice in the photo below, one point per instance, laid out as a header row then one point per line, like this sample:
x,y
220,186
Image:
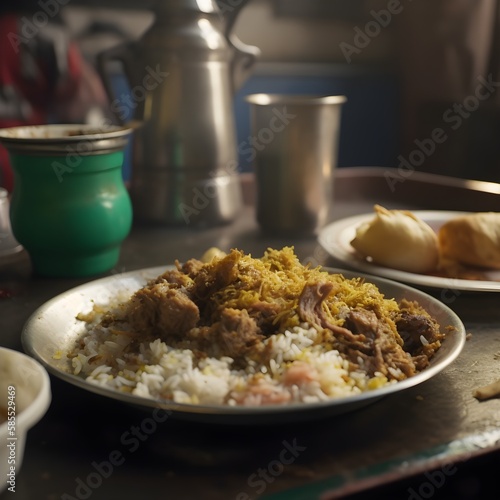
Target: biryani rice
x,y
159,371
301,368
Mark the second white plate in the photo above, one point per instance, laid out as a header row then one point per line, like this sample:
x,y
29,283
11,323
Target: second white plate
x,y
336,240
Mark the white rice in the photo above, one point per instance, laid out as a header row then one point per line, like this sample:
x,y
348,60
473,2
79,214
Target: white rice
x,y
300,370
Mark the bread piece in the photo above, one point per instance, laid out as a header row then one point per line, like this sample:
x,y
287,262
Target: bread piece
x,y
472,239
398,239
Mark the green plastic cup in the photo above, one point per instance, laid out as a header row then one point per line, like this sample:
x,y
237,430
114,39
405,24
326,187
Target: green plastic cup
x,y
70,208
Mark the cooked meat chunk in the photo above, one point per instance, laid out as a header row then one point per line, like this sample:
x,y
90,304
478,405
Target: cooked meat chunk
x,y
238,332
174,277
162,310
310,301
364,322
235,335
381,348
420,334
412,327
310,309
264,314
216,275
191,267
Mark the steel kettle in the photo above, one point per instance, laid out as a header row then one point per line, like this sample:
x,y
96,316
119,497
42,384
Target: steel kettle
x,y
182,75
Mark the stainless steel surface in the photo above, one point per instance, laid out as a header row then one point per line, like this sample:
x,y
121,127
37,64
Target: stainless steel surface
x,y
295,141
182,74
65,139
53,328
335,238
410,436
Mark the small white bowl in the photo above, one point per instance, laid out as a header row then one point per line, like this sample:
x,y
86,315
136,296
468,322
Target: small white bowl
x,y
25,396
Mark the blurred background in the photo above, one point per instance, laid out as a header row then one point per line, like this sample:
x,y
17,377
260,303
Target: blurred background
x,y
420,77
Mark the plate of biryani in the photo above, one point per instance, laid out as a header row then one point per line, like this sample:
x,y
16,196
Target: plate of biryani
x,y
236,339
444,250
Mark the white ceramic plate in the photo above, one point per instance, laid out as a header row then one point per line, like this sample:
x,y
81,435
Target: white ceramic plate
x,y
336,240
54,327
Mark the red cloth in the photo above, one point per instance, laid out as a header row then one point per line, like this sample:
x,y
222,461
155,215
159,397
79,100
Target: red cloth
x,y
37,94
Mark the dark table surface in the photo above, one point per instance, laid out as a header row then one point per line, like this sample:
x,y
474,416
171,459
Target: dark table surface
x,y
433,440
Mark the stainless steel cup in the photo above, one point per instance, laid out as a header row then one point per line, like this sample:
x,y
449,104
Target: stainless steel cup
x,y
294,145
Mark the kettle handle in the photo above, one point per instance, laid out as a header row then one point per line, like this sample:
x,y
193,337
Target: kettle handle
x,y
120,53
244,59
245,55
